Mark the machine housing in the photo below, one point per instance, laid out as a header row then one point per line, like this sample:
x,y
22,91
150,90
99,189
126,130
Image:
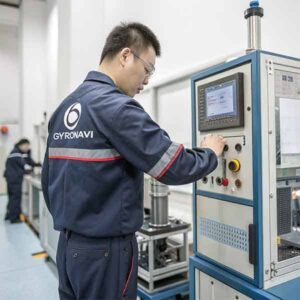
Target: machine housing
x,y
246,215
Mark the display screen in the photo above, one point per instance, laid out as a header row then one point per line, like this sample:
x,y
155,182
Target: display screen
x,y
220,100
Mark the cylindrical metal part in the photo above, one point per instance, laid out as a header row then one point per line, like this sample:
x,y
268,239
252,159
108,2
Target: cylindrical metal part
x,y
254,33
159,193
253,16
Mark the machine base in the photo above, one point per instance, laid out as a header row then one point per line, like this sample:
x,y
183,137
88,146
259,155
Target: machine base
x,y
287,291
164,294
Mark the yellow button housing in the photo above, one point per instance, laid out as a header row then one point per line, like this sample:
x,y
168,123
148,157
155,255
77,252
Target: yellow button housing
x,y
234,165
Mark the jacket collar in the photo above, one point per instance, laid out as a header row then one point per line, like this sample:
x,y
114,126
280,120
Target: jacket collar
x,y
99,77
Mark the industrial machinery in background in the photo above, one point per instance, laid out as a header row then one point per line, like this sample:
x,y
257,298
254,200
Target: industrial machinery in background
x,y
163,244
32,199
33,205
246,213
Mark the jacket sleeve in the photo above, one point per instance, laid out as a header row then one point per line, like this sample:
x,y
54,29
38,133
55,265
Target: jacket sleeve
x,y
31,162
45,178
145,145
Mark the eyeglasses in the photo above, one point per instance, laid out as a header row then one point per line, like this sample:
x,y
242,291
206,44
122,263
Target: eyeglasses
x,y
149,68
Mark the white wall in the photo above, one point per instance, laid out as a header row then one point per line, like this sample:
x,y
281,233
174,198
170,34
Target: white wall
x,y
80,37
33,66
9,84
194,31
190,32
9,65
9,15
51,55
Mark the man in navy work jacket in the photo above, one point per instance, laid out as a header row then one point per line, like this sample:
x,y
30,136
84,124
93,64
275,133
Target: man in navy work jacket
x,y
100,143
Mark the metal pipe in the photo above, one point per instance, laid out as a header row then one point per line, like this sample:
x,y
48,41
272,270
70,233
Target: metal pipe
x,y
159,204
254,33
253,16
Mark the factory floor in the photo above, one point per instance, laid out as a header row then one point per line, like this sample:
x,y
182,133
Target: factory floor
x,y
21,275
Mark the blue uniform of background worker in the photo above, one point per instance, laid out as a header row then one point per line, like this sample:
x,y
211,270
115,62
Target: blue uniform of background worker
x,y
18,163
100,144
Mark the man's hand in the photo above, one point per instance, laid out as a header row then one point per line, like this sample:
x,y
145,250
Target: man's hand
x,y
27,167
214,142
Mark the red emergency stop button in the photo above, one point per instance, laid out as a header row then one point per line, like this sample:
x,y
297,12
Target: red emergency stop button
x,y
225,181
4,129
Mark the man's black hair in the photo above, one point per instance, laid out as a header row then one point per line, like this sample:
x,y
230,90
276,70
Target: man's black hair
x,y
136,36
22,142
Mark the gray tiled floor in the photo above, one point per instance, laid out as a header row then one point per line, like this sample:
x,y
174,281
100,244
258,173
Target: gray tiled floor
x,y
21,276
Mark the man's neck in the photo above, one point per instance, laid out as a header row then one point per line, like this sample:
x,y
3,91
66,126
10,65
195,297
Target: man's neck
x,y
105,70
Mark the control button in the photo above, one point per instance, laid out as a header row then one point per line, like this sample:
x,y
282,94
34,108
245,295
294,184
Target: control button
x,y
204,179
238,147
226,148
225,181
238,183
219,181
232,189
212,179
234,165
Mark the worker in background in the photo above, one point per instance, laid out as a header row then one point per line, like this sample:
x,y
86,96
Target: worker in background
x,y
100,143
18,163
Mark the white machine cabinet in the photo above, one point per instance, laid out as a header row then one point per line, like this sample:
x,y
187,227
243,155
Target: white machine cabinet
x,y
247,212
48,236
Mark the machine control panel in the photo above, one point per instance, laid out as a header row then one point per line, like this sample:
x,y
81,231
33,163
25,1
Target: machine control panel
x,y
224,103
231,174
221,103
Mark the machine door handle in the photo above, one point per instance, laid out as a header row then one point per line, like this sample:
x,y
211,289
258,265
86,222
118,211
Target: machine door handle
x,y
252,244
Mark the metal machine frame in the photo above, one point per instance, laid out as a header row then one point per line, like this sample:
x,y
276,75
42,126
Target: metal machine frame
x,y
35,197
48,236
37,214
31,197
163,275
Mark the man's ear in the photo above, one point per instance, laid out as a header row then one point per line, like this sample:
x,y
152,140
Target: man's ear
x,y
124,54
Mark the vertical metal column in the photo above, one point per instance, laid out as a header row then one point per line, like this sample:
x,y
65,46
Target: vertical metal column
x,y
253,16
151,263
159,193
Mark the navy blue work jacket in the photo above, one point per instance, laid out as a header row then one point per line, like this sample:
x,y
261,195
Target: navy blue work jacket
x,y
17,165
100,143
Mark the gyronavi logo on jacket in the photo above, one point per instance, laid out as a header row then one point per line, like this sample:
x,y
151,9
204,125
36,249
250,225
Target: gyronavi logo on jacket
x,y
71,119
72,116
